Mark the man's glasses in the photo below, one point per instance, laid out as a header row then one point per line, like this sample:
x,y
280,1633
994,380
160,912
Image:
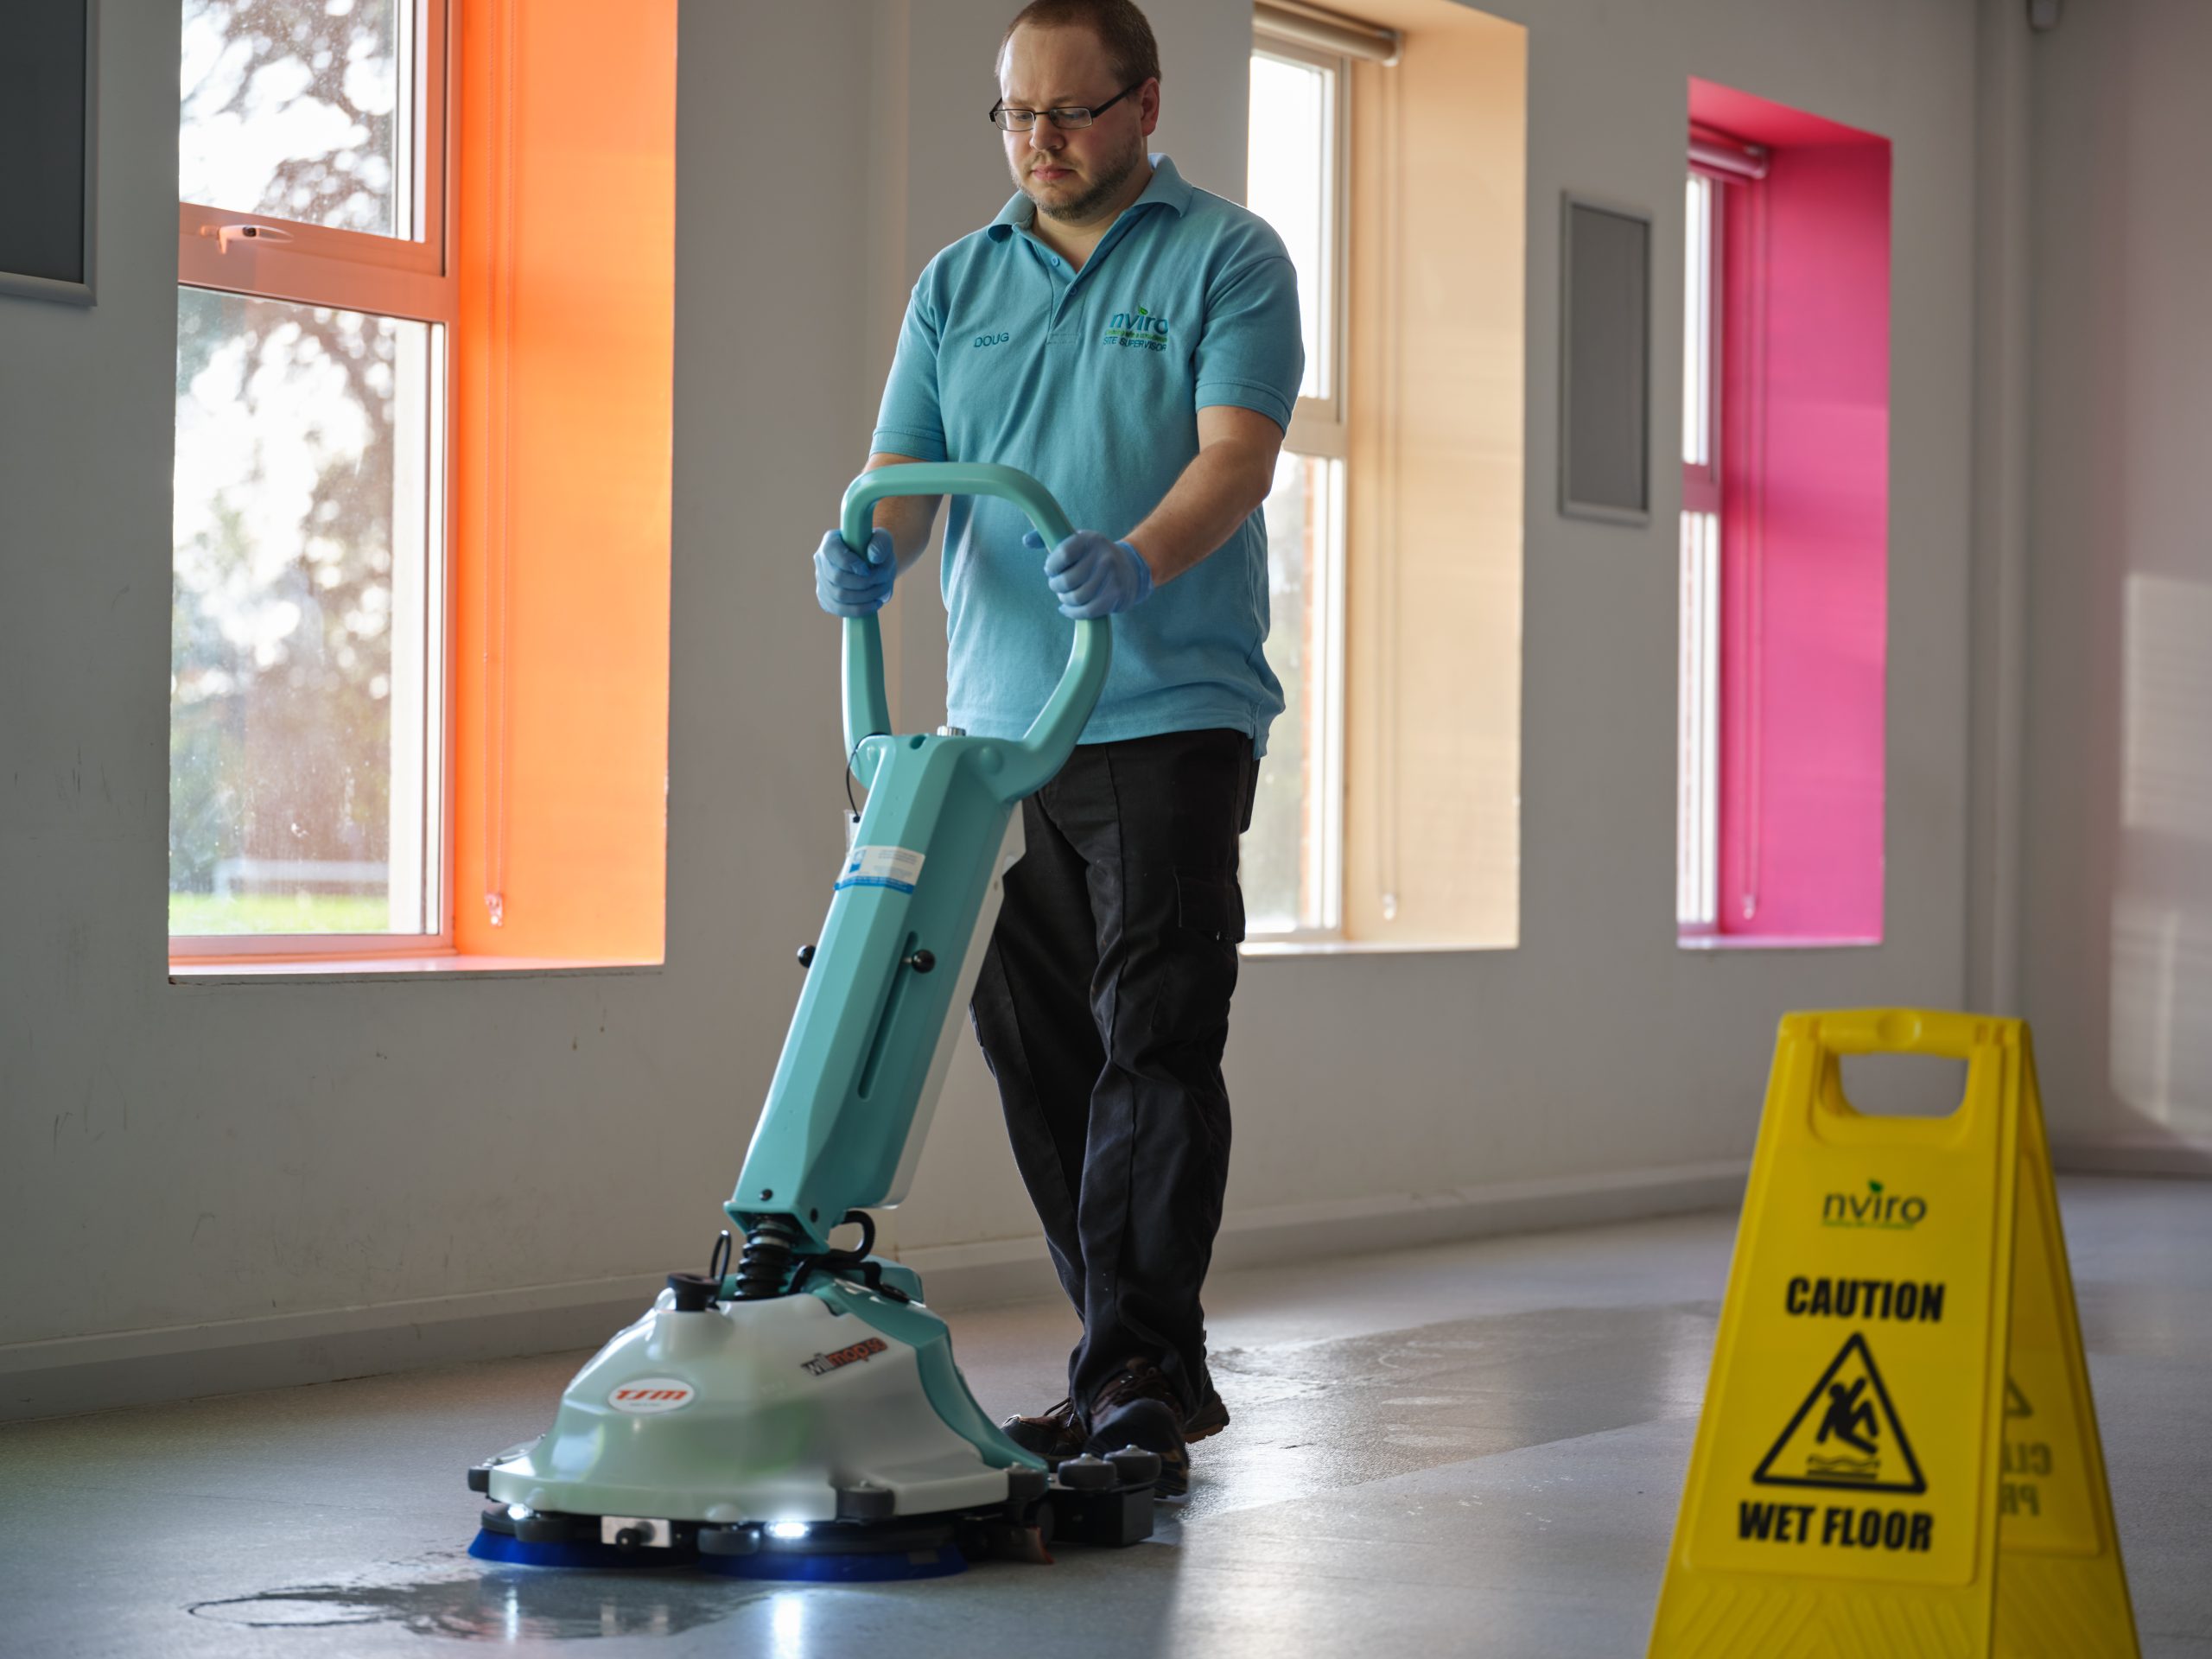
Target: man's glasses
x,y
1023,120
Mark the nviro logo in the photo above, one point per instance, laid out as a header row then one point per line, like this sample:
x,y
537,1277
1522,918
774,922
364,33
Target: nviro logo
x,y
650,1394
1139,328
1873,1208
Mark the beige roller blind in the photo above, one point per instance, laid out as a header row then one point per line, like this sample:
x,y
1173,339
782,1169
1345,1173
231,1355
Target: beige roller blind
x,y
1324,31
1433,745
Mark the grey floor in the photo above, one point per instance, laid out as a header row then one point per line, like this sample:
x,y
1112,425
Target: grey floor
x,y
1470,1449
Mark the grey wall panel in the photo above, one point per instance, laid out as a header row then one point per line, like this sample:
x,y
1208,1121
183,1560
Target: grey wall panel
x,y
1606,363
46,148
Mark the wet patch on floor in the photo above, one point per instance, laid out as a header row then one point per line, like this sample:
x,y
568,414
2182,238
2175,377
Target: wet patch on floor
x,y
494,1606
1329,1415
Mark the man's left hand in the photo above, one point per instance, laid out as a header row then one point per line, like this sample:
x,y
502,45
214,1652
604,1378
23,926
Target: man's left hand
x,y
1092,576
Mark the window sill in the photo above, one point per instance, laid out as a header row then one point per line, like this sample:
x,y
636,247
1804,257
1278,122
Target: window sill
x,y
1725,942
244,971
1263,948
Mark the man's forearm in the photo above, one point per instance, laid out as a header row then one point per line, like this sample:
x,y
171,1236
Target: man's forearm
x,y
1224,484
908,517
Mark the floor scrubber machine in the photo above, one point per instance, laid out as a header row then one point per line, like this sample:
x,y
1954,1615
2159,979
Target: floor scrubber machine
x,y
797,1413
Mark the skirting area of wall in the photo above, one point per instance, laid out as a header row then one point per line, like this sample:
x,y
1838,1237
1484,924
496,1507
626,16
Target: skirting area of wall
x,y
2178,1161
83,1374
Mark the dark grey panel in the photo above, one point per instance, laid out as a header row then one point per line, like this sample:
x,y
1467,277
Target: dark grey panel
x,y
45,158
1605,363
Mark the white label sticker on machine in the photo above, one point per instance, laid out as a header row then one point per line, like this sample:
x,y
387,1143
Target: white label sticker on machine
x,y
896,867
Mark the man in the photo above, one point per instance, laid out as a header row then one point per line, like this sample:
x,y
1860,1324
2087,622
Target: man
x,y
1134,343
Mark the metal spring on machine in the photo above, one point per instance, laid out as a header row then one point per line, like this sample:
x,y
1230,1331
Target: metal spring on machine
x,y
766,1259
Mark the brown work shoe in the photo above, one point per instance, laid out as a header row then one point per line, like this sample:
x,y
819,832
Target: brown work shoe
x,y
1052,1435
1137,1406
1210,1417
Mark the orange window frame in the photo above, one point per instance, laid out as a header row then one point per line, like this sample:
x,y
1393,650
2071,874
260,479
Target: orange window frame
x,y
560,353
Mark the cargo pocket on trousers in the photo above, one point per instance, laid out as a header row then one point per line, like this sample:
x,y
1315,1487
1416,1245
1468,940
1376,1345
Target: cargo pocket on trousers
x,y
1206,904
1199,973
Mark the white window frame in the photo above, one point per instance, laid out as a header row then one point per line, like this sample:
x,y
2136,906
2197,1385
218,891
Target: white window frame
x,y
1320,426
410,276
1697,873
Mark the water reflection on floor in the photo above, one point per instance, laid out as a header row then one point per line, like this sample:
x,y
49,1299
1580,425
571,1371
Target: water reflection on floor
x,y
506,1605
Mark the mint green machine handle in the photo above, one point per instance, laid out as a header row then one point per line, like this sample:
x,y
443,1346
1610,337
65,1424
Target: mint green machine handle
x,y
1045,747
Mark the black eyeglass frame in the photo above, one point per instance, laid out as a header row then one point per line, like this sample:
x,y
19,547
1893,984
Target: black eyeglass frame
x,y
1089,115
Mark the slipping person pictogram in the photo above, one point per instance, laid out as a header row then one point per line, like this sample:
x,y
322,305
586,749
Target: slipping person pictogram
x,y
1846,1433
1850,1417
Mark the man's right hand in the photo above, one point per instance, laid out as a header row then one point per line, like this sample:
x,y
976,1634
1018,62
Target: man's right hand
x,y
846,584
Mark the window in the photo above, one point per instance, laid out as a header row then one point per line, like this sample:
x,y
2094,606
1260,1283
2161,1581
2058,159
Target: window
x,y
1293,874
1784,527
420,639
309,640
1388,807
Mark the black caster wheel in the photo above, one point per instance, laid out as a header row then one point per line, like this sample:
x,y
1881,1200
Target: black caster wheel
x,y
1088,1474
1135,1466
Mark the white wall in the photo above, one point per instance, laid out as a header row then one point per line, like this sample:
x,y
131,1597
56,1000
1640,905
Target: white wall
x,y
2116,962
268,1171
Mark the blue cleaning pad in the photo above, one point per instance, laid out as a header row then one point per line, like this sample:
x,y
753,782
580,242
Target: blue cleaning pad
x,y
505,1547
937,1563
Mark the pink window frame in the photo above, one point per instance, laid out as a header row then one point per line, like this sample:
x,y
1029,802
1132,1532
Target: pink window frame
x,y
1800,478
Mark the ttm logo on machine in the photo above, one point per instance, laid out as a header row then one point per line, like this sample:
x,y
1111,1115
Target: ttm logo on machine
x,y
649,1395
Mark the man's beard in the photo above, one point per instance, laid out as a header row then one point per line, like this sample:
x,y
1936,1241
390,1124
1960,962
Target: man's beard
x,y
1086,205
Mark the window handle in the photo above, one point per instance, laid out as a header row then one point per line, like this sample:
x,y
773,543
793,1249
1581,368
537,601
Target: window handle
x,y
226,234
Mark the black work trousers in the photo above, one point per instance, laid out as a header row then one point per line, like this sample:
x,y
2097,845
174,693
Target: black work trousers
x,y
1103,1008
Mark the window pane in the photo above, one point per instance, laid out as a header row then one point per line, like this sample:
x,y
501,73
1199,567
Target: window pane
x,y
301,690
1697,713
1697,760
1697,323
296,109
1287,879
1292,177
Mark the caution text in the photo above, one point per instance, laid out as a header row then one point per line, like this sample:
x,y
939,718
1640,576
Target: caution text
x,y
1864,1299
2026,1462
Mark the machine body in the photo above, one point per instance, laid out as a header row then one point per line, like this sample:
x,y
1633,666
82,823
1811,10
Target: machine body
x,y
801,1407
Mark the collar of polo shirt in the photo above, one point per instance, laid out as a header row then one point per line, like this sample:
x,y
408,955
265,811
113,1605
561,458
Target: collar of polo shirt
x,y
1167,188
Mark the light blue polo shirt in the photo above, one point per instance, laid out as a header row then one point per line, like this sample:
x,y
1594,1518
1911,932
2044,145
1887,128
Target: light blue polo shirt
x,y
1091,382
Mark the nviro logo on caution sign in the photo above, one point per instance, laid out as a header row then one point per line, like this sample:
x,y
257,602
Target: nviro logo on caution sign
x,y
651,1395
1875,1207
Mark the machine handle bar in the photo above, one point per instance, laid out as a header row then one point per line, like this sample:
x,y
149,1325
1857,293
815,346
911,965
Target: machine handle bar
x,y
1052,734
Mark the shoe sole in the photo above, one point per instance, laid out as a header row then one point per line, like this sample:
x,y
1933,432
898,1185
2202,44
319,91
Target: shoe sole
x,y
1209,1421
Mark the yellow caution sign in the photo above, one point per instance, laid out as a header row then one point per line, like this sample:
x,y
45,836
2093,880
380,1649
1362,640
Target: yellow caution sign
x,y
1899,1456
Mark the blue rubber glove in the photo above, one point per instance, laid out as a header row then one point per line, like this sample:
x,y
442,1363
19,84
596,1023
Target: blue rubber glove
x,y
846,584
1092,576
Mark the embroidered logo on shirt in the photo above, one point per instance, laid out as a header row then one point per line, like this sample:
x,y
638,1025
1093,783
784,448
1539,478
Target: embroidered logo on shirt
x,y
1138,330
983,341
